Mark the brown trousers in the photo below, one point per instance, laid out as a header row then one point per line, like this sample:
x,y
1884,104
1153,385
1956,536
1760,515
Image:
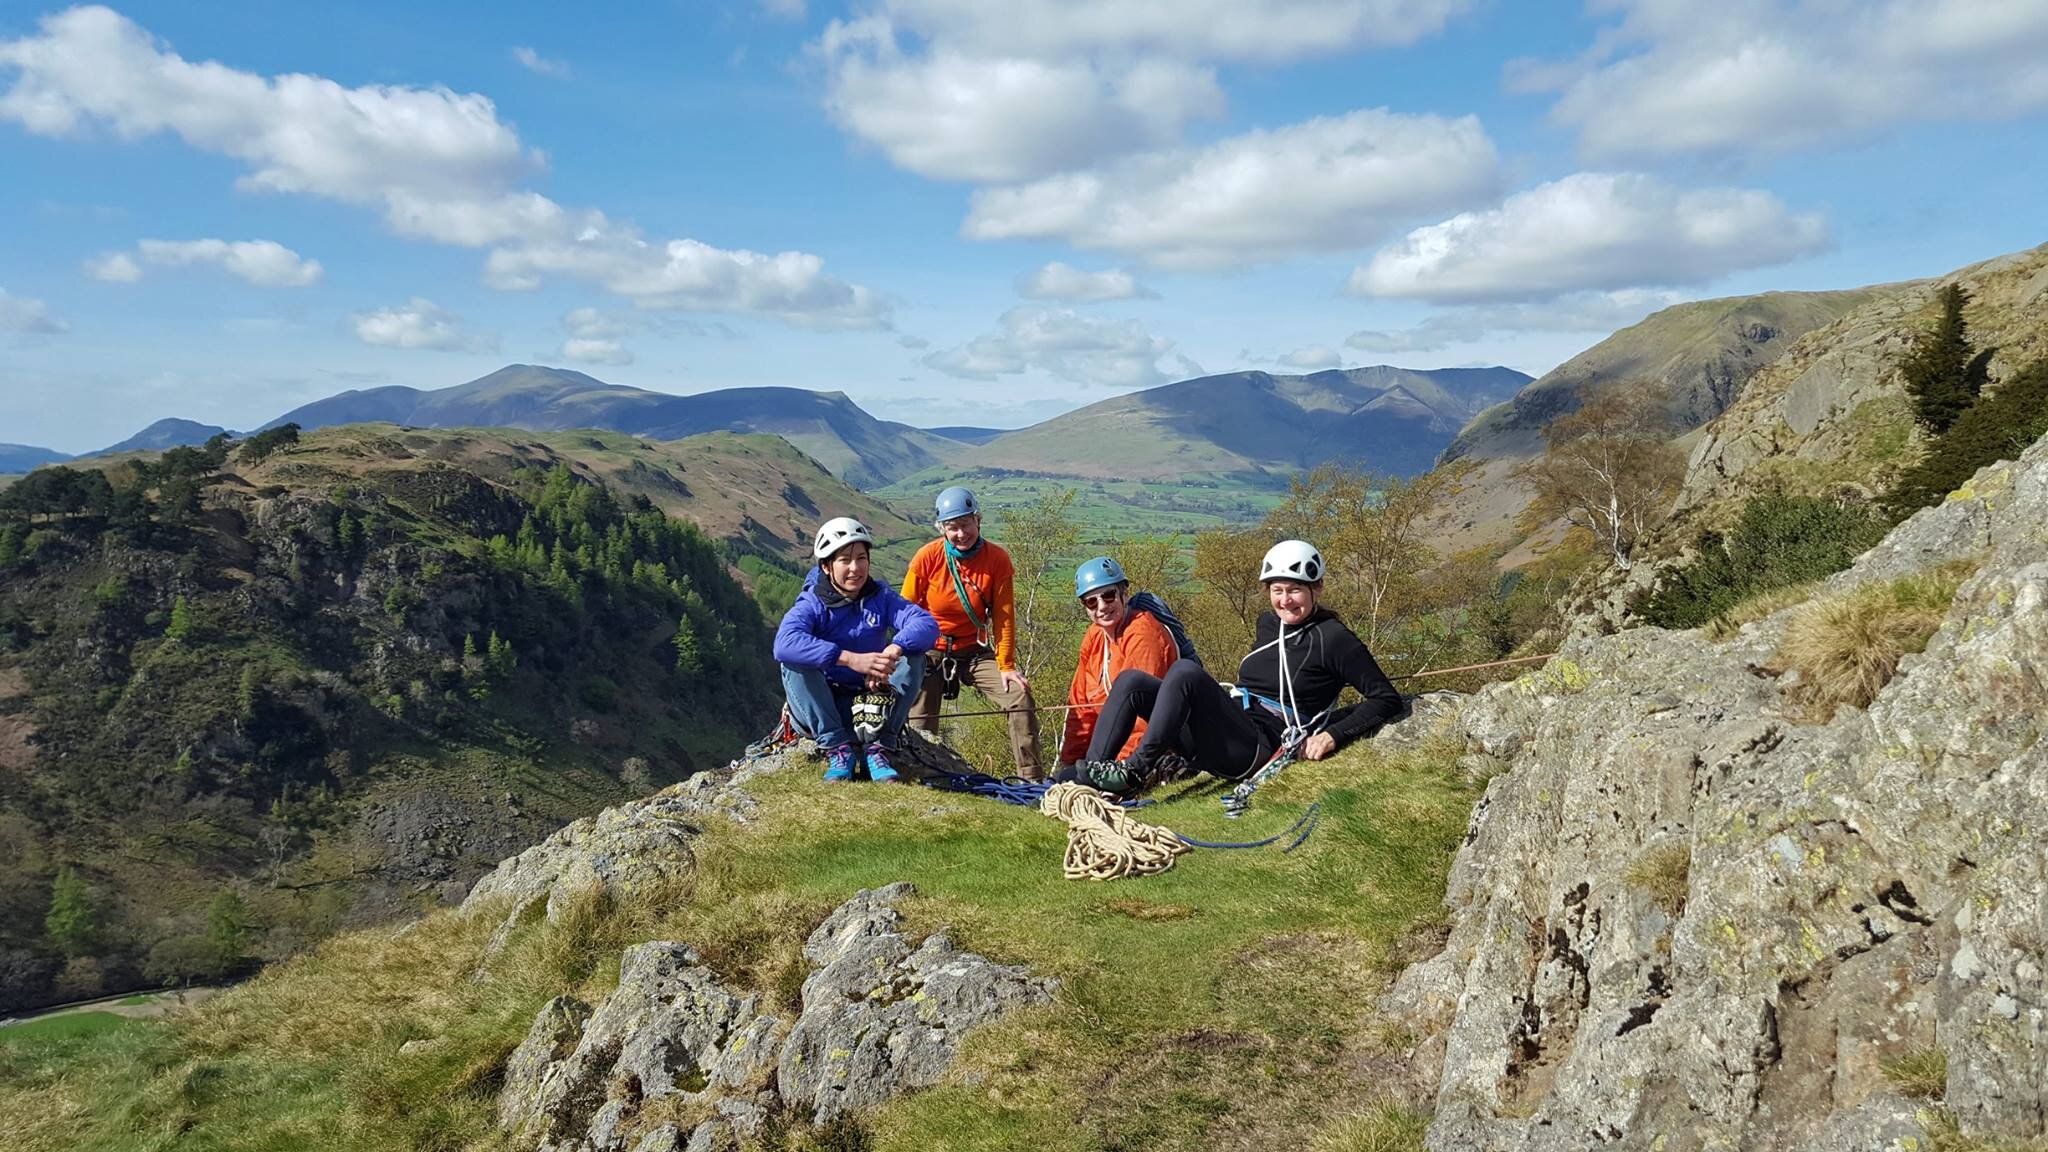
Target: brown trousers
x,y
979,669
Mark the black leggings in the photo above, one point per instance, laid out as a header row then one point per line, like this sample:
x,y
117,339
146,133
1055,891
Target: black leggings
x,y
1187,711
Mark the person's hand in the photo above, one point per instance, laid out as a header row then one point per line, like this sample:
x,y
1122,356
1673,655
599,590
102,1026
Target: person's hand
x,y
871,666
1014,681
1318,746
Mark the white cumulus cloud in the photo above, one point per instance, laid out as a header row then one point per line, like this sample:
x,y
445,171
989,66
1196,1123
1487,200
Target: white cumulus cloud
x,y
1330,183
1575,312
420,324
261,262
1779,75
1082,349
962,116
439,165
1591,231
28,315
1314,358
534,62
1070,285
594,337
114,268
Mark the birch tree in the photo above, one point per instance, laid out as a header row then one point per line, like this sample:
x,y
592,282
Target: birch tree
x,y
1609,469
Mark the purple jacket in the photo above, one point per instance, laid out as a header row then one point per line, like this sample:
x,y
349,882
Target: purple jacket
x,y
813,635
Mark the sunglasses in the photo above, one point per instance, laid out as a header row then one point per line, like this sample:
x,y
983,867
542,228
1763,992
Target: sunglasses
x,y
1102,599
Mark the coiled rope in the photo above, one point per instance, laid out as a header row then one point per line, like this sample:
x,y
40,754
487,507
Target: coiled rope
x,y
1103,842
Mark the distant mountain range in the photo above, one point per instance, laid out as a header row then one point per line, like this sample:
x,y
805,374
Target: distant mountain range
x,y
22,457
1251,424
827,426
1392,419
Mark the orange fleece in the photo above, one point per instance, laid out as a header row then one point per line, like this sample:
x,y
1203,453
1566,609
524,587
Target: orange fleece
x,y
1145,645
989,578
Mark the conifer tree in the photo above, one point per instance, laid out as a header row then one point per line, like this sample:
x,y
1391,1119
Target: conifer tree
x,y
72,922
1944,375
181,620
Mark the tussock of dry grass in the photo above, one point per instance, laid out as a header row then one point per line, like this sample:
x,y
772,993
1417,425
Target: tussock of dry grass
x,y
1921,1073
1386,1128
1664,872
1756,608
1847,648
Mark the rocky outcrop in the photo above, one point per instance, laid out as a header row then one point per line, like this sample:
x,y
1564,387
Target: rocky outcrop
x,y
1834,408
880,1016
1687,917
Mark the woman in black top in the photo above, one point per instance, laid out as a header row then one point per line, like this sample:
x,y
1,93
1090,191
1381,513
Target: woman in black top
x,y
1287,690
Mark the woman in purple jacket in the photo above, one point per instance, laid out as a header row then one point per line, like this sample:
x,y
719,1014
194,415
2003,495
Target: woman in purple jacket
x,y
836,642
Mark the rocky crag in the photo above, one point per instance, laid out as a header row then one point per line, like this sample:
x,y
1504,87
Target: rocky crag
x,y
1688,915
674,1059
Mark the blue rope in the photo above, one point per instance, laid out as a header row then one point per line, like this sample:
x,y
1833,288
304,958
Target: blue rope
x,y
1305,825
1008,789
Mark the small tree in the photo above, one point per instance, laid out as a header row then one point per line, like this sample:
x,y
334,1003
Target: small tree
x,y
1943,374
1609,469
227,928
1223,614
72,922
1037,535
689,656
182,623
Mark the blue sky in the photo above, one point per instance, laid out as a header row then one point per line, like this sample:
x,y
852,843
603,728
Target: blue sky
x,y
957,211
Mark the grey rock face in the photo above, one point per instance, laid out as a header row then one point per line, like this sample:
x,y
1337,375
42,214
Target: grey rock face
x,y
880,1016
1687,918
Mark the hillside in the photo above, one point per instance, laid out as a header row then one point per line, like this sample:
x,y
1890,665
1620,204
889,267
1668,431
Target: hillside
x,y
1257,425
1685,906
170,432
336,682
827,426
1699,356
22,457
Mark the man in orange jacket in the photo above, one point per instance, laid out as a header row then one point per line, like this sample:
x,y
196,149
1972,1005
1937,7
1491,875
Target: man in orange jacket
x,y
1118,638
967,583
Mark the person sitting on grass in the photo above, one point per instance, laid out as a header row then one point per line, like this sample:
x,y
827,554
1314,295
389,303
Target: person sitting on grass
x,y
1285,697
1119,638
846,634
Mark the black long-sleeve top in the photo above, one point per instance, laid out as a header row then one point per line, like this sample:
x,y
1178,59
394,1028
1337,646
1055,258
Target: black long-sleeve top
x,y
1323,655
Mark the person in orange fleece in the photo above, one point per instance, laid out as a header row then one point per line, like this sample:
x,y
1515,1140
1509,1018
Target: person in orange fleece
x,y
1118,638
967,583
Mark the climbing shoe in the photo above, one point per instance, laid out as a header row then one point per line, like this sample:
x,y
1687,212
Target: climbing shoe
x,y
839,765
879,768
1116,777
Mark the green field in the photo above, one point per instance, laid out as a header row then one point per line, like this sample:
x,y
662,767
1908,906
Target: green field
x,y
65,1026
1105,509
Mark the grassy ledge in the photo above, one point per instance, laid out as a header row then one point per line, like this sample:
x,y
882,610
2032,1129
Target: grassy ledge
x,y
1227,1003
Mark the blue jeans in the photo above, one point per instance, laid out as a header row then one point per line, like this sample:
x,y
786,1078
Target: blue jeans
x,y
825,710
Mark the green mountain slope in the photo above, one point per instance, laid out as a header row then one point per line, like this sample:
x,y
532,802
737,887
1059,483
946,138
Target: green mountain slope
x,y
827,426
279,678
1258,425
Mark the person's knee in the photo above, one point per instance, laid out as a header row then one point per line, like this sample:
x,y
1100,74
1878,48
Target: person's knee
x,y
1184,670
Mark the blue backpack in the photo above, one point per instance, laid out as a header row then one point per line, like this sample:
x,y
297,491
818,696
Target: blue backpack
x,y
1150,603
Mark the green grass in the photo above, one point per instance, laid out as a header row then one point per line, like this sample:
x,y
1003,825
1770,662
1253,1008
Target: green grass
x,y
1105,509
1227,1002
65,1026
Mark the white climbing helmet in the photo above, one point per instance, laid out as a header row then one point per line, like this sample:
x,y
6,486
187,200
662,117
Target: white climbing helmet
x,y
1292,560
837,533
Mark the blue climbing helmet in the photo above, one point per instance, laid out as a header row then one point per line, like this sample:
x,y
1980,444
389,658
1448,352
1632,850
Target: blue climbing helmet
x,y
954,503
1100,572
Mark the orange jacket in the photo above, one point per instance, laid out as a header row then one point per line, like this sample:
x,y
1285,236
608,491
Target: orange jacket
x,y
989,579
1145,645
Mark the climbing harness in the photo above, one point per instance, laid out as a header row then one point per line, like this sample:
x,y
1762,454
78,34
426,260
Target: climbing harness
x,y
1103,842
783,735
